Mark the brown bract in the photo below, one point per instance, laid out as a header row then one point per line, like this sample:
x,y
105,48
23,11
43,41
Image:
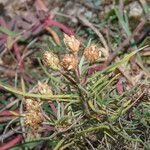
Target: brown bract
x,y
50,59
69,62
72,43
92,53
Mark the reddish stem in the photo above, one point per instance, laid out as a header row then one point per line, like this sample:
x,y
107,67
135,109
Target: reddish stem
x,y
3,37
50,22
18,55
5,119
2,22
8,113
11,143
48,128
53,107
119,87
95,69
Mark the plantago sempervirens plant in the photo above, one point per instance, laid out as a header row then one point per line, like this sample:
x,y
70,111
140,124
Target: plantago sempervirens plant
x,y
86,104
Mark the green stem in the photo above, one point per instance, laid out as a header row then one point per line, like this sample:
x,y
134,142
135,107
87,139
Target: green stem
x,y
66,145
93,129
59,144
65,98
94,109
80,90
47,73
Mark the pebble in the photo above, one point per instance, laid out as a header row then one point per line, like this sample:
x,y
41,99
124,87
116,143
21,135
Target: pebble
x,y
135,10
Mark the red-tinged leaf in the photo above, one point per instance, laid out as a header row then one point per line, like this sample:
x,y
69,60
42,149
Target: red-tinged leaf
x,y
5,119
3,37
99,68
11,143
53,107
2,22
119,87
37,29
9,113
95,69
17,51
11,24
50,22
18,55
48,128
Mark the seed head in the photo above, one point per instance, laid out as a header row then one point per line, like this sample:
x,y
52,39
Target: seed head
x,y
69,62
33,115
43,88
72,43
92,53
33,119
50,59
32,104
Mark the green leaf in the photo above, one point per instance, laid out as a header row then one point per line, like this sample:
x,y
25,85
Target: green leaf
x,y
94,109
7,31
63,97
99,81
114,66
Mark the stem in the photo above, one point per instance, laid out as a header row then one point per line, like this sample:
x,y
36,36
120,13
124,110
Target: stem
x,y
83,101
66,145
47,73
59,144
102,112
79,91
43,97
93,129
77,85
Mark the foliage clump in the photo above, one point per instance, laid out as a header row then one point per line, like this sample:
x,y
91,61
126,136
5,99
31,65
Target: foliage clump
x,y
86,109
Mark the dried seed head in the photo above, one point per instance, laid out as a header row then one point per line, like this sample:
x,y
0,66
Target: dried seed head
x,y
72,43
50,59
33,115
33,119
32,104
92,53
69,62
43,88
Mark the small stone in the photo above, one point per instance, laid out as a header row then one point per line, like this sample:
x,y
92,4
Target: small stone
x,y
135,10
